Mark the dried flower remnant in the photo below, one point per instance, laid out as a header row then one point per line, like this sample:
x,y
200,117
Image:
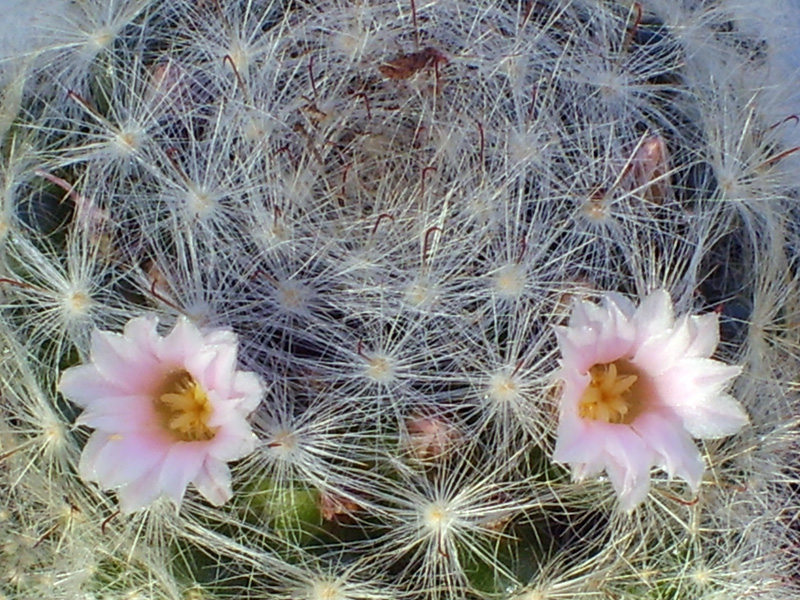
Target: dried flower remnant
x,y
648,170
167,411
406,65
337,507
431,437
637,385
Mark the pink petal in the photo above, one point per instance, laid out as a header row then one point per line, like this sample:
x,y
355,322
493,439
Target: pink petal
x,y
678,455
185,340
583,314
119,415
221,337
572,343
582,471
121,361
214,482
575,385
663,349
94,446
232,442
617,324
623,304
650,358
142,332
628,460
654,316
84,385
181,465
224,411
631,481
708,373
572,445
704,333
140,493
678,341
615,340
617,448
608,349
114,460
217,373
693,380
585,347
248,387
579,444
197,362
712,418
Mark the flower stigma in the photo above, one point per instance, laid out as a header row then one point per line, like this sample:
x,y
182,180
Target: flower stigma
x,y
610,396
183,407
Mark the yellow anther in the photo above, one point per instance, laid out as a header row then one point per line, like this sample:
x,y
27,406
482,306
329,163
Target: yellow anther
x,y
609,397
184,408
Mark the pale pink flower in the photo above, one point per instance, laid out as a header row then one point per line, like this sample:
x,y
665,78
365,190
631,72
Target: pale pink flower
x,y
167,411
637,385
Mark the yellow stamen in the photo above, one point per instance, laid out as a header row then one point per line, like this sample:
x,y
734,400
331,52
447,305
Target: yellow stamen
x,y
610,397
184,408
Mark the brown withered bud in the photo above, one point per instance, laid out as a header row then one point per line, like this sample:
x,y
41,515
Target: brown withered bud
x,y
404,66
335,507
430,437
649,169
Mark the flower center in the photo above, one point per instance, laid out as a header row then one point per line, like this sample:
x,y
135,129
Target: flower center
x,y
610,396
184,408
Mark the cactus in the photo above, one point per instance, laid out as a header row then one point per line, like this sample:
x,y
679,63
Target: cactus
x,y
400,218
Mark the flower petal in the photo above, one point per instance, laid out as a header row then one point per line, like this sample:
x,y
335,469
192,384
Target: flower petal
x,y
623,304
591,446
704,332
214,482
654,316
180,466
184,341
91,451
140,493
85,385
233,442
217,372
124,414
631,481
694,389
712,418
142,332
574,441
601,341
114,460
662,350
583,314
122,361
248,387
677,453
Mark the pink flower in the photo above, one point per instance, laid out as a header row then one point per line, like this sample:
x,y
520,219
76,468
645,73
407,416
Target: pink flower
x,y
167,411
637,386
